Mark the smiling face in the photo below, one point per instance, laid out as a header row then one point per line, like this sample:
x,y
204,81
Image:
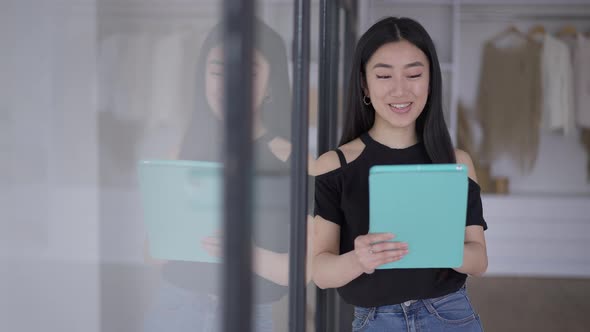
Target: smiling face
x,y
214,80
397,78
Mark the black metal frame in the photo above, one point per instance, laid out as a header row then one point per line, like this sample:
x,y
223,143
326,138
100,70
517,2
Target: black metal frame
x,y
327,127
332,314
299,130
238,20
328,75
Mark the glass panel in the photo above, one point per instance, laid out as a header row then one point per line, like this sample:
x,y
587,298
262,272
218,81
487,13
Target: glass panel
x,y
110,132
160,191
272,199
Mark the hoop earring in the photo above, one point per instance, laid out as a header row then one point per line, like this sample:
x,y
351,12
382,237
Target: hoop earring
x,y
365,100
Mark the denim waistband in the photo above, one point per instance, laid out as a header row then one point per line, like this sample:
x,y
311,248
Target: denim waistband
x,y
407,305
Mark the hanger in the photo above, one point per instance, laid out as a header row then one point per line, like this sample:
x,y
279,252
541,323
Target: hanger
x,y
511,30
537,33
537,30
567,31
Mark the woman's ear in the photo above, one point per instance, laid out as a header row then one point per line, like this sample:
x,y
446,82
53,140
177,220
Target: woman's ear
x,y
364,85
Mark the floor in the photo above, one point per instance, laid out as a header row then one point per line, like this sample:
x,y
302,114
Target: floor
x,y
531,304
512,304
504,304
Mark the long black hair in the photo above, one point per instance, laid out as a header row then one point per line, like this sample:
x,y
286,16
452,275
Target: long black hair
x,y
430,125
203,135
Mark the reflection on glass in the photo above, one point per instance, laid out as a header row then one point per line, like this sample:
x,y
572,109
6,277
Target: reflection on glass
x,y
182,198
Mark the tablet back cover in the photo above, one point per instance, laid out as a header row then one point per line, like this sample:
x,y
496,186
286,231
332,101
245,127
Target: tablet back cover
x,y
181,205
423,205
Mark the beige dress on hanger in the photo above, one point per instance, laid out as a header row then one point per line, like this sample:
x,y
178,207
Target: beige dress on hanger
x,y
581,52
508,106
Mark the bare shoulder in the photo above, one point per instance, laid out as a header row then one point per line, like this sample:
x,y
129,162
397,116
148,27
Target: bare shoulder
x,y
329,161
280,147
464,158
352,149
325,163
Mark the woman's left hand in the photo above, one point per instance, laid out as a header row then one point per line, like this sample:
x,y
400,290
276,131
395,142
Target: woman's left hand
x,y
213,244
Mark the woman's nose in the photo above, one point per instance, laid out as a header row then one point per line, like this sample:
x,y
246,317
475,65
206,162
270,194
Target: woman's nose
x,y
397,88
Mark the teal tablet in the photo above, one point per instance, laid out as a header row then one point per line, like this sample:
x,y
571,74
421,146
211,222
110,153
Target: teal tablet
x,y
424,206
181,205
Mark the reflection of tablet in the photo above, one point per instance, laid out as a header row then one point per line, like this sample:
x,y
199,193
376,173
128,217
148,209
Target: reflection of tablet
x,y
181,204
424,206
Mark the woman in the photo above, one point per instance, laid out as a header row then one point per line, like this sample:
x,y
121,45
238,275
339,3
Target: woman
x,y
394,116
189,296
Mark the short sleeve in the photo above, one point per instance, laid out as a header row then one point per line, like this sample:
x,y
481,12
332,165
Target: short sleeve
x,y
474,206
310,194
327,198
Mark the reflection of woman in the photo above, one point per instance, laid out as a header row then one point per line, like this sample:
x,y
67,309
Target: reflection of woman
x,y
189,298
394,117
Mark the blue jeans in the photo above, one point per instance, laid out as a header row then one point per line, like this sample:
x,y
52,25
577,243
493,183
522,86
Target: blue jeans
x,y
452,312
176,309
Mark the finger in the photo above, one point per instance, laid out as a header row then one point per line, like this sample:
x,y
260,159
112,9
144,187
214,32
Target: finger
x,y
386,246
212,241
212,250
371,238
209,247
207,239
395,256
389,256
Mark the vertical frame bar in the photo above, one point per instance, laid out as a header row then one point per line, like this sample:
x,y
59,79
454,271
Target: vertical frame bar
x,y
238,21
334,61
328,73
350,37
300,124
324,142
343,310
327,130
455,59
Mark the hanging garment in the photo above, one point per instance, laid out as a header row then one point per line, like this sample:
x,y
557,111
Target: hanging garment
x,y
125,62
557,87
168,96
585,140
509,106
581,52
581,57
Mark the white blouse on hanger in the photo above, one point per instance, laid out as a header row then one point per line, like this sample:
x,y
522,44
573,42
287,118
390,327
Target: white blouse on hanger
x,y
557,78
582,80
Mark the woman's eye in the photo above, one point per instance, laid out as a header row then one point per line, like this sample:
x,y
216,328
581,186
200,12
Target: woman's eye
x,y
383,76
415,76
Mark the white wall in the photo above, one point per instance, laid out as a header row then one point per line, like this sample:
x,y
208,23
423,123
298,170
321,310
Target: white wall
x,y
538,236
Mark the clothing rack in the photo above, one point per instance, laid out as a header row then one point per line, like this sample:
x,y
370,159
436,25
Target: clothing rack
x,y
511,18
525,12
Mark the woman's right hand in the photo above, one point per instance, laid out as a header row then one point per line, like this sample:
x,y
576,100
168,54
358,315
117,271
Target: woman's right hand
x,y
375,249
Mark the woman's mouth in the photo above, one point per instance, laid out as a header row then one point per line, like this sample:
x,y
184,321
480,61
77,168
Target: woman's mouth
x,y
400,108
